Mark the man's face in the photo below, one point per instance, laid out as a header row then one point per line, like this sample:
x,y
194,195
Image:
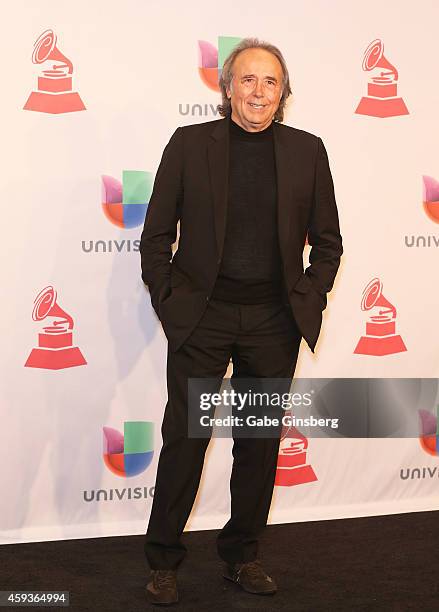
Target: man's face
x,y
256,89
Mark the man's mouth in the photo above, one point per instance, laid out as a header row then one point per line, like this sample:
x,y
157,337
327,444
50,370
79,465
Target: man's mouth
x,y
253,105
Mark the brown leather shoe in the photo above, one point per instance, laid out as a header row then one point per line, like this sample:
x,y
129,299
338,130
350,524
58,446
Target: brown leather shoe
x,y
161,590
251,577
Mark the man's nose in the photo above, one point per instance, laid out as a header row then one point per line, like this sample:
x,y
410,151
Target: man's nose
x,y
259,89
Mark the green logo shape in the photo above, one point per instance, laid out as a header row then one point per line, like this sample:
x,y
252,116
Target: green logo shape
x,y
226,44
138,436
136,186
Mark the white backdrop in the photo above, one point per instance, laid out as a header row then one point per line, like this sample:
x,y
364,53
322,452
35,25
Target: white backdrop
x,y
135,67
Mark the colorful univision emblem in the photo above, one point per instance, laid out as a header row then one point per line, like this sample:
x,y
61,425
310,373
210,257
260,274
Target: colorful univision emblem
x,y
292,467
382,97
211,60
131,453
55,349
125,203
431,198
429,437
380,337
54,93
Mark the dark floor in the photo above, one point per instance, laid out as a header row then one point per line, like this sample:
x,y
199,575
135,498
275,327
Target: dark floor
x,y
386,563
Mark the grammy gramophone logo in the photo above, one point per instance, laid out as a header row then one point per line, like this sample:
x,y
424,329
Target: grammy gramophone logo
x,y
54,93
380,337
382,89
292,467
55,349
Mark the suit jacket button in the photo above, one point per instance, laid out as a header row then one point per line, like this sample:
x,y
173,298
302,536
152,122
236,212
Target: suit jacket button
x,y
207,298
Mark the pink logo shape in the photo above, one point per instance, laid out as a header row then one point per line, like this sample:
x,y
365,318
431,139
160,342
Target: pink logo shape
x,y
55,349
380,338
54,94
429,437
292,468
208,64
382,99
431,198
113,441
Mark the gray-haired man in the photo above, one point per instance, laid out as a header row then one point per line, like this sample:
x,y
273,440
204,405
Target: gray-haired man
x,y
247,190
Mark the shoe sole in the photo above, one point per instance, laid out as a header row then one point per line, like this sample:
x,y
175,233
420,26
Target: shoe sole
x,y
248,590
162,604
149,597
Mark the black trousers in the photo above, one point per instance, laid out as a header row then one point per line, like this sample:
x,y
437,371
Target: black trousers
x,y
263,341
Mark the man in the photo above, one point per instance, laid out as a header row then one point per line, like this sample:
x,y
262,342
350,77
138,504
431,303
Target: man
x,y
247,191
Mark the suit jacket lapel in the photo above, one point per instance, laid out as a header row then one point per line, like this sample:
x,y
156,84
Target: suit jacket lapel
x,y
218,158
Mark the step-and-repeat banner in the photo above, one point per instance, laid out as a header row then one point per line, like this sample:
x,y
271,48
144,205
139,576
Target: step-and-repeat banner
x,y
92,92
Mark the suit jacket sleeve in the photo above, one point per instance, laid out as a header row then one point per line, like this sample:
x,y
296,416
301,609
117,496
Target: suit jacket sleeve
x,y
323,230
160,228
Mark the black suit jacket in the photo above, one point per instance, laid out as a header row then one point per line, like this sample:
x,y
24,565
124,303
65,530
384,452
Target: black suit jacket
x,y
191,187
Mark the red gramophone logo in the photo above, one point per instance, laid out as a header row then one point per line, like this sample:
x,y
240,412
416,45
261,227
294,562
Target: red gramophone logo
x,y
382,99
55,343
292,467
381,337
54,93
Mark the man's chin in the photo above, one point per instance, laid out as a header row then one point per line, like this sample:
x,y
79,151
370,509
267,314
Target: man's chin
x,y
257,122
252,121
258,117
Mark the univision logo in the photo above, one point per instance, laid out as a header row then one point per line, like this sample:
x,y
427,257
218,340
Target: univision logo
x,y
130,453
431,198
211,59
210,64
429,437
430,201
127,493
125,203
126,455
419,473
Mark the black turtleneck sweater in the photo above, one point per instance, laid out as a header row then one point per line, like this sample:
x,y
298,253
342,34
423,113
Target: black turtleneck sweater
x,y
251,266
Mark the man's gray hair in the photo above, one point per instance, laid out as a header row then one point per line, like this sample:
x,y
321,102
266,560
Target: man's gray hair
x,y
225,109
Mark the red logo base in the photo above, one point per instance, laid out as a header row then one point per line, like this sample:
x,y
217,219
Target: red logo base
x,y
379,107
288,477
54,104
59,359
388,345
